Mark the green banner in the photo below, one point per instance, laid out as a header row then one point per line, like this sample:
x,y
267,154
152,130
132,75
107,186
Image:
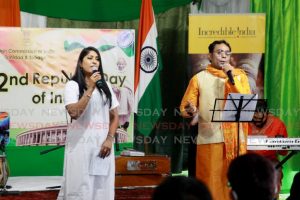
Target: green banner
x,y
88,10
282,68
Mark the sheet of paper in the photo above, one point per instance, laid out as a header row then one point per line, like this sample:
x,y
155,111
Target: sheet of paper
x,y
99,166
247,107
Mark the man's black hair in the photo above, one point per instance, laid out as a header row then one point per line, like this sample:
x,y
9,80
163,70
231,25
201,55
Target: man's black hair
x,y
211,47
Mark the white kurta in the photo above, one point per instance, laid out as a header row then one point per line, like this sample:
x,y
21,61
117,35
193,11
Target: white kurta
x,y
84,139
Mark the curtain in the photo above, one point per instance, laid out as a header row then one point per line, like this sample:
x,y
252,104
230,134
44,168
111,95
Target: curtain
x,y
221,6
91,10
172,40
282,66
32,20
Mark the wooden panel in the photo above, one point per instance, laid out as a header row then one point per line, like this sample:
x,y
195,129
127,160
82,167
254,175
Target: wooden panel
x,y
138,180
141,171
153,164
134,194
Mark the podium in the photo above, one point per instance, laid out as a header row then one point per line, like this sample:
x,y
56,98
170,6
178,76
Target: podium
x,y
137,176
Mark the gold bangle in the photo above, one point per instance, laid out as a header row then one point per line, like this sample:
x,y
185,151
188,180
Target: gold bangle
x,y
111,136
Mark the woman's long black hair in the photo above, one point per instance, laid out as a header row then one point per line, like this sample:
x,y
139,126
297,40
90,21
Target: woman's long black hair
x,y
79,75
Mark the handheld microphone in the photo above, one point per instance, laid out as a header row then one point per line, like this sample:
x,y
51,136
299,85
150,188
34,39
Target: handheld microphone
x,y
102,86
229,74
99,83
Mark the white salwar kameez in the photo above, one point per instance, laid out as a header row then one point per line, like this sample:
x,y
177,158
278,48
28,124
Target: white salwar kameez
x,y
84,139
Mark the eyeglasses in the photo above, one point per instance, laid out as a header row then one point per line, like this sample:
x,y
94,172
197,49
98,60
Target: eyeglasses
x,y
219,52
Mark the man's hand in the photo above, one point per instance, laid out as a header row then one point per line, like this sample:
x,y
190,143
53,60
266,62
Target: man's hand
x,y
190,109
227,67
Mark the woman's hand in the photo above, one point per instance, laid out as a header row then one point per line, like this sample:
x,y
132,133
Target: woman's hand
x,y
93,79
106,147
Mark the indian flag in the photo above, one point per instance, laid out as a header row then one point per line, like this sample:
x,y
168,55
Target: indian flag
x,y
147,68
10,14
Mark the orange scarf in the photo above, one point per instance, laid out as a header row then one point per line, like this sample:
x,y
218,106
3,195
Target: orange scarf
x,y
230,129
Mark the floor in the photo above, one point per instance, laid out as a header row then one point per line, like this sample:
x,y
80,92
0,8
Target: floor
x,y
33,183
31,188
46,188
33,195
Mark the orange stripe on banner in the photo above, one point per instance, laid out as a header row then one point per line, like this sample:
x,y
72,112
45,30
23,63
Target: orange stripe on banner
x,y
3,115
146,21
10,13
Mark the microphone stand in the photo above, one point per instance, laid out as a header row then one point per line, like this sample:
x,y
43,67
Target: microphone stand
x,y
237,119
280,164
57,147
52,149
117,141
